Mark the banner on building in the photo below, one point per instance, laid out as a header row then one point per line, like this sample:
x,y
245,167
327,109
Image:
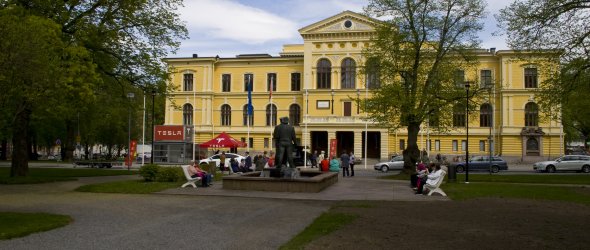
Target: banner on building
x,y
333,143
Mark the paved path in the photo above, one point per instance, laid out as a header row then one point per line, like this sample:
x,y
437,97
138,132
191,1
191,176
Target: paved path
x,y
202,218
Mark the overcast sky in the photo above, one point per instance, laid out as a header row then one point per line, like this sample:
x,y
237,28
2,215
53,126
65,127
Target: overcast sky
x,y
231,27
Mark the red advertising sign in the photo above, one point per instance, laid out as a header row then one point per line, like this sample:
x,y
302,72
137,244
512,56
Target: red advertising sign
x,y
333,148
131,155
169,133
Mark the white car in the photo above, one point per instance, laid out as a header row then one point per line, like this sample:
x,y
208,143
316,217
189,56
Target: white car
x,y
216,159
565,163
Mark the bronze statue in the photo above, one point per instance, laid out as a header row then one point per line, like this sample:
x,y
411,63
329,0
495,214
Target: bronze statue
x,y
285,142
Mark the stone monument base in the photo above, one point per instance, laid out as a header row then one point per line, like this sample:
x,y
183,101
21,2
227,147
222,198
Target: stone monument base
x,y
311,181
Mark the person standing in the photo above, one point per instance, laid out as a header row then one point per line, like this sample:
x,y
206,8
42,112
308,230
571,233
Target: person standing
x,y
345,163
352,159
314,159
222,162
248,161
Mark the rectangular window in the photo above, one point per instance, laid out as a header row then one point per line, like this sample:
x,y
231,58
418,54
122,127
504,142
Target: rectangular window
x,y
295,81
402,144
429,145
248,81
463,145
486,78
266,142
188,82
530,77
347,108
455,145
226,83
251,142
482,145
437,145
460,78
271,81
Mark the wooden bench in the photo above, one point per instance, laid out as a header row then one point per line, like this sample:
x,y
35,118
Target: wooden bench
x,y
190,180
436,187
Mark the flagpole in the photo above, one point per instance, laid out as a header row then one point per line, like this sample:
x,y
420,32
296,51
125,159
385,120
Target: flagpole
x,y
248,111
142,134
270,97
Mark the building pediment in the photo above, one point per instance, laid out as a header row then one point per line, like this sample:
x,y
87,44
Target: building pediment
x,y
345,22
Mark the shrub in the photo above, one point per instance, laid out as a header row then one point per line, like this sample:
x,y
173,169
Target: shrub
x,y
149,172
169,174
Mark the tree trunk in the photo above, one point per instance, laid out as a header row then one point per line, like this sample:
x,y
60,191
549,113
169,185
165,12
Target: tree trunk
x,y
20,127
3,149
68,144
412,152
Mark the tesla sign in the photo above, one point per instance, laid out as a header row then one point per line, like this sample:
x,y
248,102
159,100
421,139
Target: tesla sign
x,y
169,133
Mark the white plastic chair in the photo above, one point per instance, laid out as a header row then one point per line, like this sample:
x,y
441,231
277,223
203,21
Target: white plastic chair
x,y
436,187
190,180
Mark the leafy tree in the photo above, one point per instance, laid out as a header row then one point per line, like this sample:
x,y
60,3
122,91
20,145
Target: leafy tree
x,y
418,53
122,42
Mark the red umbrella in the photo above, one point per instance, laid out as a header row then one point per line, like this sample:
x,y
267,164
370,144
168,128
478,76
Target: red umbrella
x,y
223,140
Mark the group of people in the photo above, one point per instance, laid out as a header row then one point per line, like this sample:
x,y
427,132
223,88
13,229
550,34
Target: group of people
x,y
424,175
344,162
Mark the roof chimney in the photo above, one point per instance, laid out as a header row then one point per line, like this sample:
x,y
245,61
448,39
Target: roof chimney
x,y
195,55
493,50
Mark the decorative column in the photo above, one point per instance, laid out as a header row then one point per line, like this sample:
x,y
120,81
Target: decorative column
x,y
358,143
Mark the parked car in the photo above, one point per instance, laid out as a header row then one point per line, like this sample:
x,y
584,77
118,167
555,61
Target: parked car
x,y
396,162
565,163
298,156
215,158
482,163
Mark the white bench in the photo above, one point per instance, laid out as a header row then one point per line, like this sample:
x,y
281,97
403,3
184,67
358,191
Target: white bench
x,y
190,180
436,187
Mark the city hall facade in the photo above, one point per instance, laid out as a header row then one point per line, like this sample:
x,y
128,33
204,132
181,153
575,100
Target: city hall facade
x,y
316,83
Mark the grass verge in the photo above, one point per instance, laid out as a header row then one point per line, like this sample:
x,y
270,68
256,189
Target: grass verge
x,y
326,223
44,175
582,179
13,225
462,191
129,187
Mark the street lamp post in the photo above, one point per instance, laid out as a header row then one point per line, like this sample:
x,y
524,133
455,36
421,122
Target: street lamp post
x,y
153,130
358,96
332,93
129,162
467,85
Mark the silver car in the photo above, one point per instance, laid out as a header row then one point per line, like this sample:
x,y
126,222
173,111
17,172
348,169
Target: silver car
x,y
397,162
565,163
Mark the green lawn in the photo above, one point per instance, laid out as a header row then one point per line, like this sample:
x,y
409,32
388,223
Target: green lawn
x,y
323,225
43,175
14,225
538,178
129,187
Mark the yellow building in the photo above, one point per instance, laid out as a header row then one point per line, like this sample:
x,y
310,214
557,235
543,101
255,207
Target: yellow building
x,y
315,84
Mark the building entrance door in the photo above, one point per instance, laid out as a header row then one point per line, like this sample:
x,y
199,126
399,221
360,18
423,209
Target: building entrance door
x,y
319,141
345,140
373,145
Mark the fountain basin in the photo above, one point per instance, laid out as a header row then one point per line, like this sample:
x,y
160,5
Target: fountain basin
x,y
311,181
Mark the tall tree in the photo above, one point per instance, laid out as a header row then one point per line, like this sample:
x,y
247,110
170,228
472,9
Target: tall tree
x,y
419,52
125,41
561,26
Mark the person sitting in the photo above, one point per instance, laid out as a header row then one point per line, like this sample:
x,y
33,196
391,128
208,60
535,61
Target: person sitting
x,y
431,178
325,164
195,171
260,162
421,173
242,166
334,165
234,165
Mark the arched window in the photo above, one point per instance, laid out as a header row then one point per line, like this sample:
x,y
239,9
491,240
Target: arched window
x,y
225,115
324,74
373,73
187,114
459,115
485,115
531,115
245,116
294,115
348,73
271,112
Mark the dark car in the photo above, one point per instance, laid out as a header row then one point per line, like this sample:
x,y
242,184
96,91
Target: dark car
x,y
482,163
298,156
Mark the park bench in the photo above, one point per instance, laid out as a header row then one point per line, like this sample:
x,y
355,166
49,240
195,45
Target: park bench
x,y
436,187
190,180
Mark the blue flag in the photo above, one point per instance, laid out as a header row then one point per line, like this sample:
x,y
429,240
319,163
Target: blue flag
x,y
250,108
